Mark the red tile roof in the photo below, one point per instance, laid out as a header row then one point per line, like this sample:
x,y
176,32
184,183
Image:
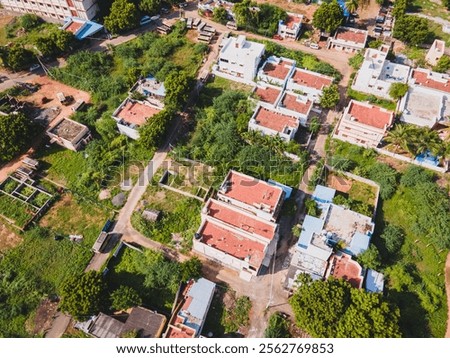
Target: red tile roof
x,y
292,20
240,220
422,78
274,120
267,94
136,113
180,332
346,268
353,35
74,26
290,102
233,244
311,79
278,70
371,115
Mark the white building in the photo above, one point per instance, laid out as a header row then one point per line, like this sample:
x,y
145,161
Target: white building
x,y
253,195
435,52
269,121
377,73
348,39
308,83
363,124
56,9
290,29
236,238
239,59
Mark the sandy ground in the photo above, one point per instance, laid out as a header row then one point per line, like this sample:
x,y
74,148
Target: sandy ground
x,y
289,6
48,89
8,238
447,287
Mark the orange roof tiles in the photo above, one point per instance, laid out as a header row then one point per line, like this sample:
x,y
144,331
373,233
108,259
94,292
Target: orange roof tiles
x,y
274,120
290,102
267,94
252,191
421,77
74,26
278,70
245,222
346,268
180,332
233,244
353,35
136,113
311,80
371,115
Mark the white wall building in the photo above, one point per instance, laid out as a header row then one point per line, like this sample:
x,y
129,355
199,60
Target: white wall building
x,y
435,52
276,71
56,9
377,73
239,59
290,29
348,39
363,124
309,83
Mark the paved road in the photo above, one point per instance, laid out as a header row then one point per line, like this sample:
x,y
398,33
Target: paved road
x,y
59,326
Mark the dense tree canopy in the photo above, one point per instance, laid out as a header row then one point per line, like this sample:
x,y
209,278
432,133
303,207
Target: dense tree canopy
x,y
82,295
412,30
122,16
328,17
125,297
333,308
16,57
330,96
443,64
277,327
398,90
149,6
220,15
15,134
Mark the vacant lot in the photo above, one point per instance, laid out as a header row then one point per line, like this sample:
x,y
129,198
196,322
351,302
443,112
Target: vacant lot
x,y
8,238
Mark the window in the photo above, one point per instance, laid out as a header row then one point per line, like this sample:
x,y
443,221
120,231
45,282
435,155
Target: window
x,y
223,60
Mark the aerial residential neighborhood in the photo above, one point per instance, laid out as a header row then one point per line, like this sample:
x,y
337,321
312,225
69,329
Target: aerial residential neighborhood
x,y
214,169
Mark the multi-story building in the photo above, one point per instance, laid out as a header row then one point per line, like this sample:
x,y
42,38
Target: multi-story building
x,y
348,39
364,124
308,83
239,59
55,9
290,29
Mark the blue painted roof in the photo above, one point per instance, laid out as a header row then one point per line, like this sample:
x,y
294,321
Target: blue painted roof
x,y
310,226
287,189
323,194
88,28
359,244
201,293
374,281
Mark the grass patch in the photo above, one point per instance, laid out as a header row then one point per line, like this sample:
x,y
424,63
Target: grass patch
x,y
362,97
15,210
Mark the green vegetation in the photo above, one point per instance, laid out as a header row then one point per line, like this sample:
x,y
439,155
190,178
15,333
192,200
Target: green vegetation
x,y
330,96
237,316
356,61
359,96
443,65
122,17
401,7
16,210
370,258
361,207
412,30
398,90
16,131
125,297
155,278
220,140
81,295
328,17
258,18
333,308
312,208
220,15
277,327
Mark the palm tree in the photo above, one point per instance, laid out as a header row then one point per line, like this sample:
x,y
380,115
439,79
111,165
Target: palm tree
x,y
400,137
428,140
352,5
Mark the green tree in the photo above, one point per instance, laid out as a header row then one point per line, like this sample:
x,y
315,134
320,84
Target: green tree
x,y
220,15
414,175
386,176
312,208
314,125
393,238
352,5
15,135
63,40
330,96
400,137
443,64
277,327
191,269
370,258
16,57
398,90
177,89
151,133
29,21
82,295
328,17
122,17
356,61
150,6
46,46
125,297
400,7
333,308
412,30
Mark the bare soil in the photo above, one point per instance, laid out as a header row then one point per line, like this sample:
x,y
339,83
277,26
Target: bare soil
x,y
339,183
44,316
8,238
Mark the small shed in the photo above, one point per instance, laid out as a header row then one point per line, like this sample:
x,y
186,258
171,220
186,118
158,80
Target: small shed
x,y
151,215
